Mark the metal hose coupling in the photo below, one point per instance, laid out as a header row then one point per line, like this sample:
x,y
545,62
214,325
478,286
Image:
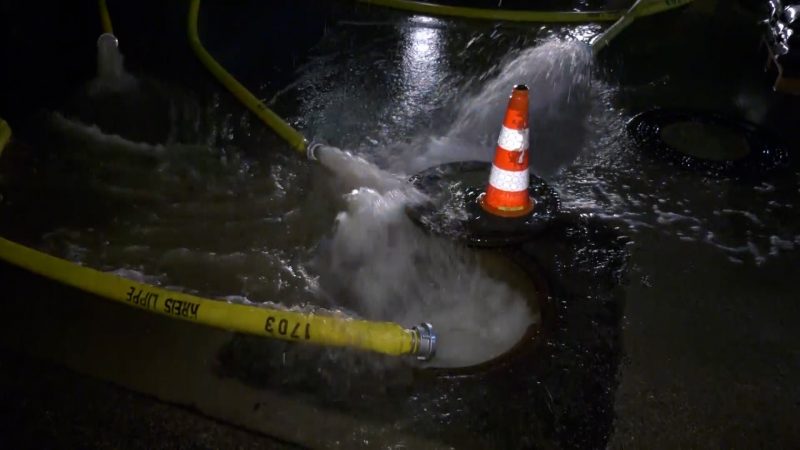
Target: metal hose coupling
x,y
311,151
107,38
426,341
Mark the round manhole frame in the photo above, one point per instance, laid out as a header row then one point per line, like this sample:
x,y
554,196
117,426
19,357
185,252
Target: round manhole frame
x,y
765,154
533,338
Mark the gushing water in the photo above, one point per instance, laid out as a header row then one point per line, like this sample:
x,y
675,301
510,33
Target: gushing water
x,y
138,109
558,74
111,74
391,270
394,271
357,172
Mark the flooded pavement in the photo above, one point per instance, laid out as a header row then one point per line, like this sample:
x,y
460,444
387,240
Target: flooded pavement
x,y
656,312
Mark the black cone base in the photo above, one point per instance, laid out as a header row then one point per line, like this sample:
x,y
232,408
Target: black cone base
x,y
453,210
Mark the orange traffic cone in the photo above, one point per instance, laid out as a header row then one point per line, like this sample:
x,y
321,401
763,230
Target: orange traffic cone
x,y
507,193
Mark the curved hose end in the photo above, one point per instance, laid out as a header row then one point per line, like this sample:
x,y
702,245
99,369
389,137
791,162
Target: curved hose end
x,y
426,339
311,151
107,38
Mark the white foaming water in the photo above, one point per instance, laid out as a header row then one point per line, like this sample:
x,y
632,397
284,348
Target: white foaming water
x,y
357,172
111,74
110,141
391,270
138,109
558,76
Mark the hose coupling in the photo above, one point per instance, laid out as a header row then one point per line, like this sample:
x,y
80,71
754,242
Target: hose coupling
x,y
311,152
426,341
107,37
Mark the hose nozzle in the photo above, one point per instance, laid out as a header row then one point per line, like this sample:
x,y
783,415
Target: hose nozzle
x,y
426,341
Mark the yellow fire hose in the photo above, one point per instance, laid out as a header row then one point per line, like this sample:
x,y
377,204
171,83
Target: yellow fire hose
x,y
382,337
105,17
523,16
5,135
330,330
283,129
640,8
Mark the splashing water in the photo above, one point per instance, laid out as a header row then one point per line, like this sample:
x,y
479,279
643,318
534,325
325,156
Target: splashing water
x,y
391,270
375,262
138,109
558,75
111,74
357,172
620,183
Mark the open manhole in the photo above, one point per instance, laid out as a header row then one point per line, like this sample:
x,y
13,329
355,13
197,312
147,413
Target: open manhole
x,y
523,275
479,326
562,370
713,143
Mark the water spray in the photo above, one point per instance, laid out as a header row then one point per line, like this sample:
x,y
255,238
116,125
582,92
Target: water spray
x,y
111,75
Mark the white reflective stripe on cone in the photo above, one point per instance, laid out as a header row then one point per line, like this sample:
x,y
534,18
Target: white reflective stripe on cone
x,y
513,140
509,181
